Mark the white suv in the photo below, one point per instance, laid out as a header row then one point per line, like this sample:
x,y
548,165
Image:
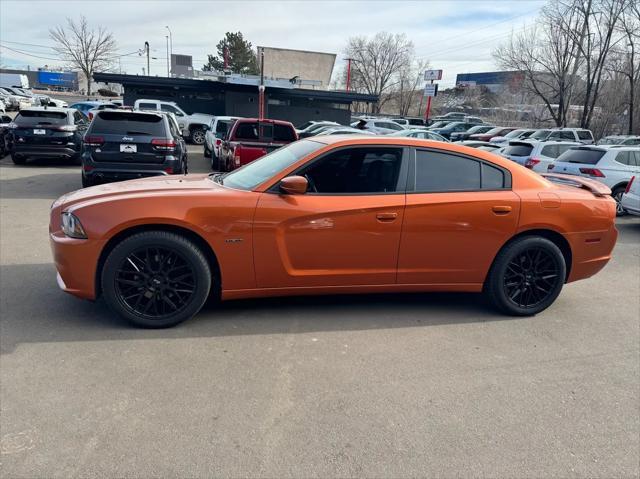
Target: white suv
x,y
536,155
578,135
613,167
379,126
216,131
193,125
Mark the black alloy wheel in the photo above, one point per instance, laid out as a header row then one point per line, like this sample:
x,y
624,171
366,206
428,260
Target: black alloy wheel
x,y
531,277
617,195
526,277
156,279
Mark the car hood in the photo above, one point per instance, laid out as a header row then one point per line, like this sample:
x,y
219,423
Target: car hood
x,y
152,185
201,117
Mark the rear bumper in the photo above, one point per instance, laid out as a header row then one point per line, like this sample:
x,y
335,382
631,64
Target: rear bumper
x,y
44,151
129,171
591,252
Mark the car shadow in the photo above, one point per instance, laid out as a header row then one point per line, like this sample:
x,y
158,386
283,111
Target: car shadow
x,y
41,186
35,310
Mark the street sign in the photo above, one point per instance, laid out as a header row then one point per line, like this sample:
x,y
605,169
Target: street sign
x,y
433,75
431,89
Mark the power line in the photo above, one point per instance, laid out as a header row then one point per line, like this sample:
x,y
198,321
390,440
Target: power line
x,y
29,54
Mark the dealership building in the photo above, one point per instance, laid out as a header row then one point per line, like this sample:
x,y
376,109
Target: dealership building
x,y
237,95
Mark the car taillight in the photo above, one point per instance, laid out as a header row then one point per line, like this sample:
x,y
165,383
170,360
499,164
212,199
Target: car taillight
x,y
66,128
626,190
93,140
218,141
87,168
162,144
236,155
169,170
90,116
592,172
531,162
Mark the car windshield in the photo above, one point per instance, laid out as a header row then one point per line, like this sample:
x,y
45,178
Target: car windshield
x,y
513,133
259,171
540,135
40,117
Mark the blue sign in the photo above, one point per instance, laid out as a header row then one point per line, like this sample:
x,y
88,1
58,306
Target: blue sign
x,y
66,79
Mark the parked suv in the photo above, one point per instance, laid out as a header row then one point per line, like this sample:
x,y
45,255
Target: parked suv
x,y
42,132
379,126
536,155
193,125
453,127
250,138
216,131
624,140
565,134
121,145
612,166
464,135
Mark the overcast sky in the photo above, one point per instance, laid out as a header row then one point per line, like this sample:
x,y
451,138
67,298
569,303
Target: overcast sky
x,y
454,35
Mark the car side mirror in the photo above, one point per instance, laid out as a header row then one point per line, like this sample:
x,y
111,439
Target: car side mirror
x,y
294,185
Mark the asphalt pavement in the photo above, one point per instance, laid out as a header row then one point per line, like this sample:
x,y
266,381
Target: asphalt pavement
x,y
428,385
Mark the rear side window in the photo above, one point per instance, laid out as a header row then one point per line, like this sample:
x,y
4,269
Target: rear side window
x,y
550,150
563,135
584,135
147,106
579,155
625,158
247,131
518,150
441,172
126,123
283,133
40,117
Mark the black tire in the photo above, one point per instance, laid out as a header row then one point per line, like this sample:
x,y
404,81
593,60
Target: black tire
x,y
207,151
197,136
526,277
159,290
87,182
617,195
18,160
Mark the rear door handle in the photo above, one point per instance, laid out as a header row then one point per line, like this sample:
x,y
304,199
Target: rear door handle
x,y
387,217
501,210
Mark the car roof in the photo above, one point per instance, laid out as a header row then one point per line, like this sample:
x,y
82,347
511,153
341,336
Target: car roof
x,y
264,120
47,108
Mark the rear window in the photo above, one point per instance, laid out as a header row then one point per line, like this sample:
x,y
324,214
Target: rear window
x,y
283,133
247,131
579,155
127,123
584,135
518,150
41,117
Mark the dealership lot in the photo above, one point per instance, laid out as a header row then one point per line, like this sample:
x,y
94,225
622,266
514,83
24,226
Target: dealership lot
x,y
385,386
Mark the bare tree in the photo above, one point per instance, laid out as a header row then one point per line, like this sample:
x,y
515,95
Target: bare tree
x,y
84,48
410,77
375,63
546,54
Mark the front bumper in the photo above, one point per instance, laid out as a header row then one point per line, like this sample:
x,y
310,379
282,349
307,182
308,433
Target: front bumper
x,y
76,262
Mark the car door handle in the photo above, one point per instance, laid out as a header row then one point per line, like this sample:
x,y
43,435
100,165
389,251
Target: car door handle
x,y
501,210
387,217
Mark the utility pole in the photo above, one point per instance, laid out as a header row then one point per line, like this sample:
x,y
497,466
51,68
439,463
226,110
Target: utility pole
x,y
261,87
167,38
348,74
170,45
146,47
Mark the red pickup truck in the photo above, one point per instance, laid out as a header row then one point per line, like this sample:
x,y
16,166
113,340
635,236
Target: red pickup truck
x,y
250,138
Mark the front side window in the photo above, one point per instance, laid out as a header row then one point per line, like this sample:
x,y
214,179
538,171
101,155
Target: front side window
x,y
363,170
171,109
260,170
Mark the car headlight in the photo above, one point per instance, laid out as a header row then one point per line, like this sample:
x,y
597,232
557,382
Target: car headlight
x,y
72,227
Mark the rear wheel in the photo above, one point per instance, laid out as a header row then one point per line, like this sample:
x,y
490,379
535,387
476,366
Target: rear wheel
x,y
156,279
617,195
526,277
18,160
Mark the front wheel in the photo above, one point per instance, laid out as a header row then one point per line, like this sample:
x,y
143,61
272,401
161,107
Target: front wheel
x,y
197,136
156,279
18,160
526,277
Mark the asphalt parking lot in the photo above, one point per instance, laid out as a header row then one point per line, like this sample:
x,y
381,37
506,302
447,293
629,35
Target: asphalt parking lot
x,y
376,386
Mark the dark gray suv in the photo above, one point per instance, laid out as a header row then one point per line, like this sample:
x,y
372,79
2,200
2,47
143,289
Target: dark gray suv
x,y
122,145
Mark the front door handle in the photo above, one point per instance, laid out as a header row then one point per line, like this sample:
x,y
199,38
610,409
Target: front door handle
x,y
387,217
501,210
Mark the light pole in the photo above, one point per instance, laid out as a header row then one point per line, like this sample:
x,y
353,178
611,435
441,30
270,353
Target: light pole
x,y
170,43
167,38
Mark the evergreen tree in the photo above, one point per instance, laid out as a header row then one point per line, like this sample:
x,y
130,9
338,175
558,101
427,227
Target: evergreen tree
x,y
240,56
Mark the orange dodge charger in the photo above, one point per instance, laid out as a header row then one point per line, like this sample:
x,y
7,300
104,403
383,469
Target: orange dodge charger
x,y
333,215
